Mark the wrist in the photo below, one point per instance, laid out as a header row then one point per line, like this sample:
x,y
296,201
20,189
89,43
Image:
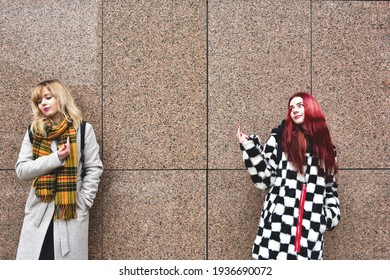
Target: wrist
x,y
60,158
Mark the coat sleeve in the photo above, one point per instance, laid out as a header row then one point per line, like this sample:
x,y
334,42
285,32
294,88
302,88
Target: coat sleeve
x,y
332,204
27,168
93,167
260,160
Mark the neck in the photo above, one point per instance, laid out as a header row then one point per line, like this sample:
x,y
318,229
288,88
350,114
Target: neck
x,y
56,120
303,127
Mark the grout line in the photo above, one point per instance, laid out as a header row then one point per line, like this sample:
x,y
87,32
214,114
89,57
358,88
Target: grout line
x,y
219,169
102,121
311,46
216,169
207,130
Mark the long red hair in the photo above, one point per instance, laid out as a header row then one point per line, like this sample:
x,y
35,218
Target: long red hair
x,y
294,141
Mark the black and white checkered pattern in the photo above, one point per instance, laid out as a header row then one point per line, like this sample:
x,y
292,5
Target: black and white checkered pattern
x,y
279,217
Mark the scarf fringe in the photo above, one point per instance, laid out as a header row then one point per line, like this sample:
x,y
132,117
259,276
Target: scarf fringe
x,y
65,212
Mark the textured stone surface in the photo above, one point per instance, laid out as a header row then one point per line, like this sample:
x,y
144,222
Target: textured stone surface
x,y
234,212
151,77
259,55
155,84
154,215
46,41
351,61
12,202
364,230
96,225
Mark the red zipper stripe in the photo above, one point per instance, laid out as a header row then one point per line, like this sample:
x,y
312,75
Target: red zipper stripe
x,y
298,233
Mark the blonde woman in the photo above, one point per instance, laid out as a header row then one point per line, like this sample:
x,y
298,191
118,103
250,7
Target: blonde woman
x,y
64,179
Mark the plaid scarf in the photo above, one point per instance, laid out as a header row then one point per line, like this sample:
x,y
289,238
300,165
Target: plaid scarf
x,y
61,184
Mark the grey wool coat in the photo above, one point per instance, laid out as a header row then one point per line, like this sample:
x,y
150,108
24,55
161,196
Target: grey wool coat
x,y
70,237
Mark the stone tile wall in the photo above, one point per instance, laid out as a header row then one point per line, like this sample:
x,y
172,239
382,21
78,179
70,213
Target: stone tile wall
x,y
165,85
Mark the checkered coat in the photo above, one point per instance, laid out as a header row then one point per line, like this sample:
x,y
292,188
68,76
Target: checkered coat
x,y
298,208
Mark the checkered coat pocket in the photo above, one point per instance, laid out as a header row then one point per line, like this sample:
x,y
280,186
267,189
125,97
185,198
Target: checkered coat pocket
x,y
284,210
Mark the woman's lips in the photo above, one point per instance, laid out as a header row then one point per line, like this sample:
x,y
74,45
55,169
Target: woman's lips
x,y
297,117
46,109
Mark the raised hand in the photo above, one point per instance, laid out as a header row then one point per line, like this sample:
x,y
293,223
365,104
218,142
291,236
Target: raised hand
x,y
64,151
241,137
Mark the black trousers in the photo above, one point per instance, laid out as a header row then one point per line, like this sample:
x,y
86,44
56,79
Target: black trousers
x,y
47,251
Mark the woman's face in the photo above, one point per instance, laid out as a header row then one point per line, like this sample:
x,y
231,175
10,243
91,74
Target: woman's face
x,y
49,106
297,110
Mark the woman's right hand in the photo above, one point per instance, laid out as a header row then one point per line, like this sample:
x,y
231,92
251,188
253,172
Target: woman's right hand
x,y
241,137
64,151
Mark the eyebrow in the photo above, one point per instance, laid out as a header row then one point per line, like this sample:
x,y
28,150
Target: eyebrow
x,y
299,103
45,95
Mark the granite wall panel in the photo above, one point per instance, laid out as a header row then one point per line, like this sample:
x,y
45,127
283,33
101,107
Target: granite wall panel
x,y
364,229
166,84
233,214
351,61
49,40
154,84
154,215
259,55
12,200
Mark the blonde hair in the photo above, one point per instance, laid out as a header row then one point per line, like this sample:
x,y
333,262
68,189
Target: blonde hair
x,y
67,107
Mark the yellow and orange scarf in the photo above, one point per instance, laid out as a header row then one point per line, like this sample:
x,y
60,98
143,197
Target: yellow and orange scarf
x,y
61,183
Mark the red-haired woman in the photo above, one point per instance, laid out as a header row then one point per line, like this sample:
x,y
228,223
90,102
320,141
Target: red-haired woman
x,y
298,167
